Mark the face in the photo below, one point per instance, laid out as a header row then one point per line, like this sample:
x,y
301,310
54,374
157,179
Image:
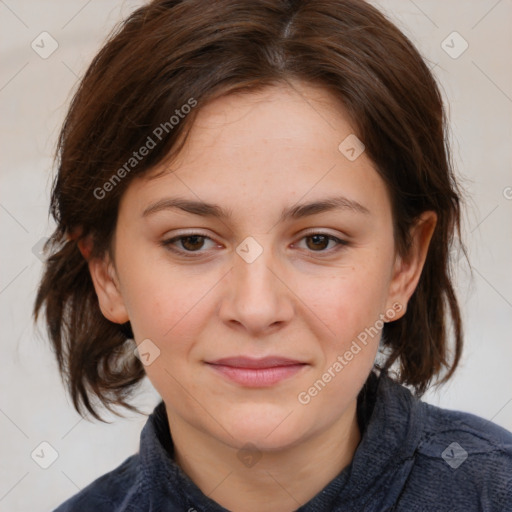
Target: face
x,y
264,308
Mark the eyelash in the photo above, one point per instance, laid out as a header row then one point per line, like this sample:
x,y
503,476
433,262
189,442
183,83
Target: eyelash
x,y
168,244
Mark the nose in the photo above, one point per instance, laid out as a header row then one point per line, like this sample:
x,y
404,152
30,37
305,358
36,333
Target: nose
x,y
256,297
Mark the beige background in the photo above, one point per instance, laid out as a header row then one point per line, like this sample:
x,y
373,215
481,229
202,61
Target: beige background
x,y
34,93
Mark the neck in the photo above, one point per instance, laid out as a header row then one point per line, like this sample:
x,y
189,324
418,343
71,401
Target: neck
x,y
283,479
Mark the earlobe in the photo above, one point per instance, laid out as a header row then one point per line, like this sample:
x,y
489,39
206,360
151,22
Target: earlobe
x,y
407,270
107,289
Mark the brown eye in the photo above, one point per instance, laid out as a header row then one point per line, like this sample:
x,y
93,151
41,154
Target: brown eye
x,y
192,243
318,242
188,244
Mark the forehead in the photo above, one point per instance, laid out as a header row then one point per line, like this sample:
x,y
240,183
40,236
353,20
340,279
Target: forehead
x,y
291,115
271,147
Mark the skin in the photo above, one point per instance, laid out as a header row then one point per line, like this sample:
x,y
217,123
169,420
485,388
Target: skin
x,y
302,298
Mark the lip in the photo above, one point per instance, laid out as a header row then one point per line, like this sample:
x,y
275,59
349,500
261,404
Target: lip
x,y
254,372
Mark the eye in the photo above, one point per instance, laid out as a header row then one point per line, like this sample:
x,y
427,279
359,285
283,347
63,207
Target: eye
x,y
188,242
318,242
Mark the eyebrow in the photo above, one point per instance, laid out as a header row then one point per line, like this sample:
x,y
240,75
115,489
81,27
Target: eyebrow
x,y
293,212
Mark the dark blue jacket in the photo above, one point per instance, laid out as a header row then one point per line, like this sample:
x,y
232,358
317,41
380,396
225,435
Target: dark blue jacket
x,y
413,457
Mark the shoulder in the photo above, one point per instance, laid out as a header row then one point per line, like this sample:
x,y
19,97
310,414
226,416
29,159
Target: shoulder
x,y
477,437
108,492
463,459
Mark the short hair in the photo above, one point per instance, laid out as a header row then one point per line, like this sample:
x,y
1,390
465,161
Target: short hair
x,y
172,53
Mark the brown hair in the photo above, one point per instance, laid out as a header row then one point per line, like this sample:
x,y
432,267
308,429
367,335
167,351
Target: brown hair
x,y
172,53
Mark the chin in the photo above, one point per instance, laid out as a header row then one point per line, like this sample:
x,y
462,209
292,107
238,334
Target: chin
x,y
268,427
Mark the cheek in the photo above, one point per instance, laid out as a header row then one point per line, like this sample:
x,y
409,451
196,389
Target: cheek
x,y
170,310
162,308
351,306
166,303
349,301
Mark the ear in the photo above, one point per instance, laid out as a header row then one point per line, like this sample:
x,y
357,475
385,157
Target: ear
x,y
107,288
407,269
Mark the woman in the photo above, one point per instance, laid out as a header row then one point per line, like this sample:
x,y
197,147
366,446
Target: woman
x,y
255,207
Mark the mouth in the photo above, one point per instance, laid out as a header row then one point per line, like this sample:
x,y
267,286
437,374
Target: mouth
x,y
257,373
